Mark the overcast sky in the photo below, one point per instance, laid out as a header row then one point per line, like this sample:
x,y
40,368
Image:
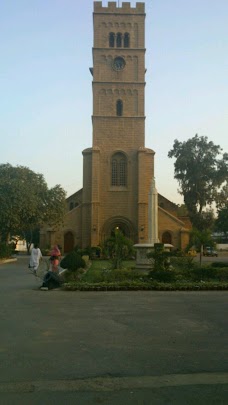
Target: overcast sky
x,y
46,86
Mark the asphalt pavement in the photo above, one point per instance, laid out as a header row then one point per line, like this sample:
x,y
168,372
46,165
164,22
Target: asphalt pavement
x,y
146,347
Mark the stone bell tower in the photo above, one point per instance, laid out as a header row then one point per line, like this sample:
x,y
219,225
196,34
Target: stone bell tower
x,y
118,169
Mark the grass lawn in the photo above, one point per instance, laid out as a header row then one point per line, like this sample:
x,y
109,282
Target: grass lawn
x,y
100,268
106,264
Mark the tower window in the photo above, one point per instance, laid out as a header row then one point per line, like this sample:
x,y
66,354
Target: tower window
x,y
126,40
119,170
119,40
119,108
111,39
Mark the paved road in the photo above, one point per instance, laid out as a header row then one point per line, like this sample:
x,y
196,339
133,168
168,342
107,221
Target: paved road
x,y
110,348
222,257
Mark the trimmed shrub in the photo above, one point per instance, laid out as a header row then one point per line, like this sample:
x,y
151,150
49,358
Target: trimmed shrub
x,y
72,262
137,286
199,273
219,264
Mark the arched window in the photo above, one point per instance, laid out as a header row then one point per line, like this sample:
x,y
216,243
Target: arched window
x,y
126,40
119,170
114,172
119,40
122,171
71,205
111,39
119,108
167,238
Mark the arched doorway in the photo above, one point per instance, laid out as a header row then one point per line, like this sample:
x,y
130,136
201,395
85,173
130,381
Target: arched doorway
x,y
118,223
167,237
121,229
68,242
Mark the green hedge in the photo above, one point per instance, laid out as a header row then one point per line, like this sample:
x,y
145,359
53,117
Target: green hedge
x,y
219,264
137,286
207,273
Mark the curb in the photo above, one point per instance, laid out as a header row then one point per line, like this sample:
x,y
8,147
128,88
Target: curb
x,y
3,261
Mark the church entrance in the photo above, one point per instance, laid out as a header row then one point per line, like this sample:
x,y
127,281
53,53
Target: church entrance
x,y
118,223
119,228
68,242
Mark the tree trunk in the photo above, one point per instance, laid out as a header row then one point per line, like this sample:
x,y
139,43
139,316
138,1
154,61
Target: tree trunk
x,y
201,251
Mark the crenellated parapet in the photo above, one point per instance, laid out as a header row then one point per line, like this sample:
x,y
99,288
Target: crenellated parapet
x,y
114,8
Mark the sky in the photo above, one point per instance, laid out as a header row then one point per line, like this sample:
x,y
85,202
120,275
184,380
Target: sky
x,y
46,86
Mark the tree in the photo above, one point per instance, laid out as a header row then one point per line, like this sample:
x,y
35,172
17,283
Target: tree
x,y
201,238
200,174
204,220
119,248
221,223
160,258
222,196
26,203
182,210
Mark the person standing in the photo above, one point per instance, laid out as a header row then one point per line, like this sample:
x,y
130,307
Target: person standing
x,y
55,259
35,258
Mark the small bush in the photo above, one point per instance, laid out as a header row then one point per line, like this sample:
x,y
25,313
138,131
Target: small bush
x,y
45,252
95,252
199,273
165,276
222,274
72,261
182,262
73,276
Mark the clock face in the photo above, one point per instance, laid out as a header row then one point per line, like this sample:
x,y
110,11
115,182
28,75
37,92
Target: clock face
x,y
118,63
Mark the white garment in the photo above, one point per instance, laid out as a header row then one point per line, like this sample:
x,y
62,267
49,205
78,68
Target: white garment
x,y
35,258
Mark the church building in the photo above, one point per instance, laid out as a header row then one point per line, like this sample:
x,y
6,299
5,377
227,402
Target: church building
x,y
117,168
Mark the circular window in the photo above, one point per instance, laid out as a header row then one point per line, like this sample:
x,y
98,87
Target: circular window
x,y
118,63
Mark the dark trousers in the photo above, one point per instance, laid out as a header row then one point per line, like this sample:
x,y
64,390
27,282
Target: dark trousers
x,y
51,280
